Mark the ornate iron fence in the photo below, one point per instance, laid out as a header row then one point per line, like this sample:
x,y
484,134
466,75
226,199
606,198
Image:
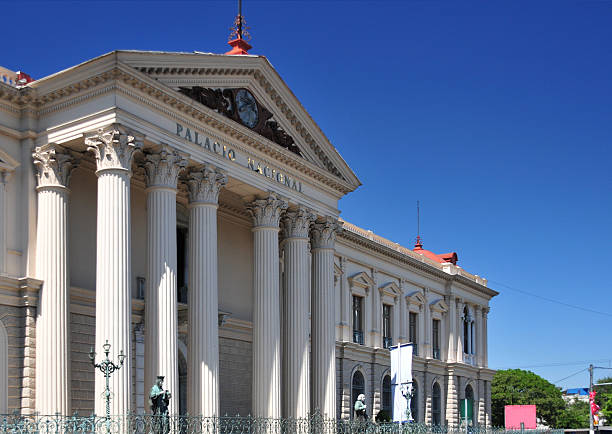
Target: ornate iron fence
x,y
145,424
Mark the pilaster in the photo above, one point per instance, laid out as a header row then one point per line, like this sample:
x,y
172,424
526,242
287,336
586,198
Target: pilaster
x,y
204,185
485,338
452,333
54,165
478,337
323,236
459,338
266,214
114,148
296,359
161,308
4,174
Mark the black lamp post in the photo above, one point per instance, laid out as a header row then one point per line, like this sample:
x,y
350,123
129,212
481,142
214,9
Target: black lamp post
x,y
107,367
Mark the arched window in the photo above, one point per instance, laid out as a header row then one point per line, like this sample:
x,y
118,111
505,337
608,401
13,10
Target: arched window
x,y
436,405
357,388
386,395
414,402
469,396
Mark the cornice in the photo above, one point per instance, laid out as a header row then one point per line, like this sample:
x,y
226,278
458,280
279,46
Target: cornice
x,y
371,245
135,84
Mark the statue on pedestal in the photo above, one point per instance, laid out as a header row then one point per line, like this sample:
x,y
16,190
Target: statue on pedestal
x,y
159,399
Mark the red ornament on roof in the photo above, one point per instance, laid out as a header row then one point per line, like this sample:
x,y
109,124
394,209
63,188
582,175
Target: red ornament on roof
x,y
442,258
239,36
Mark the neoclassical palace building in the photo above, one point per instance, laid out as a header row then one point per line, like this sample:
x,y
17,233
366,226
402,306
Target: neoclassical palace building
x,y
184,208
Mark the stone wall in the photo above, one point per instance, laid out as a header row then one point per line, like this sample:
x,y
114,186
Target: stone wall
x,y
235,376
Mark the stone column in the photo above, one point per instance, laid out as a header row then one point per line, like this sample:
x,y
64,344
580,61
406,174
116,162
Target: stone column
x,y
403,314
161,307
376,314
4,174
459,337
478,333
452,332
421,331
266,306
427,344
296,225
53,386
481,403
346,308
203,345
114,148
485,337
323,322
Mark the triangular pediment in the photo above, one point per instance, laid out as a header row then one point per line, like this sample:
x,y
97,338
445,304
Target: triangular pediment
x,y
392,289
362,280
213,82
439,306
416,298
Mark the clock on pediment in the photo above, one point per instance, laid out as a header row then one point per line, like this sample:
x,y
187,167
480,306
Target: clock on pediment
x,y
241,106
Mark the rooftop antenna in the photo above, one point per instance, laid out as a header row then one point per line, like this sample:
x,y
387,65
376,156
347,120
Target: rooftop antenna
x,y
418,245
239,35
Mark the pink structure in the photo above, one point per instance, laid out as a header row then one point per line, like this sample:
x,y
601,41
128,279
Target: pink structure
x,y
515,415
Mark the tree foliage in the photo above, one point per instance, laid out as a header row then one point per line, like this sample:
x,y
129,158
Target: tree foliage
x,y
604,398
518,387
575,415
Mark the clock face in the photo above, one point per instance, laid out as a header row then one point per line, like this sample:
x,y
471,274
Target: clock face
x,y
247,108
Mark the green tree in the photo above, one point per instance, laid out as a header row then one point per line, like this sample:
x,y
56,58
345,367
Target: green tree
x,y
574,416
518,387
604,398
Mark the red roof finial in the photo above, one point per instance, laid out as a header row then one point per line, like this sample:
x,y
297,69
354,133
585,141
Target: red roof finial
x,y
418,245
239,36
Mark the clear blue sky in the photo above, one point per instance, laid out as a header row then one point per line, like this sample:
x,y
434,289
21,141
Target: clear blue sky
x,y
496,115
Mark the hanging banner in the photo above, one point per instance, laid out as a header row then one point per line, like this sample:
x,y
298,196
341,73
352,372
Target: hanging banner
x,y
401,381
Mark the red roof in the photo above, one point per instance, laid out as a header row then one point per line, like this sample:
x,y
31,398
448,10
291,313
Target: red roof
x,y
442,258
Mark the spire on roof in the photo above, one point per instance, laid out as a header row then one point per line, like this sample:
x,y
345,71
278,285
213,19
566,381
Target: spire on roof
x,y
239,35
418,245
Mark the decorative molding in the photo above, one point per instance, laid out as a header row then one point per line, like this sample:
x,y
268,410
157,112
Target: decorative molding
x,y
223,101
54,164
113,147
266,212
204,184
438,306
361,280
416,298
391,289
162,168
323,233
296,224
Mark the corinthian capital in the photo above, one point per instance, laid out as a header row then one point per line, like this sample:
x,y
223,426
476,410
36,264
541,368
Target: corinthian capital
x,y
54,164
162,168
323,233
204,185
113,147
296,224
267,212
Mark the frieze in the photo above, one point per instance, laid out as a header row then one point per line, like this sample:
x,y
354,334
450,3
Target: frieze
x,y
229,153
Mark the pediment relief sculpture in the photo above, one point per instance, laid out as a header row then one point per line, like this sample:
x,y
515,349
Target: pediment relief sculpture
x,y
439,306
416,298
241,106
390,289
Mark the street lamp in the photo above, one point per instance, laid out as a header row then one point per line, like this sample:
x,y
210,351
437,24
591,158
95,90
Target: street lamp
x,y
107,367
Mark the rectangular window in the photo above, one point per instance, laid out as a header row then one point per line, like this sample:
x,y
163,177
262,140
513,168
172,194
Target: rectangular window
x,y
412,332
387,336
436,338
357,320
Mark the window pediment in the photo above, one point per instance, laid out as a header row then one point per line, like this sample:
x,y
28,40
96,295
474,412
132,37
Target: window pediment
x,y
361,280
417,298
439,306
390,289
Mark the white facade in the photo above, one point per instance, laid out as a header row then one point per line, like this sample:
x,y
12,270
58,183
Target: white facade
x,y
208,249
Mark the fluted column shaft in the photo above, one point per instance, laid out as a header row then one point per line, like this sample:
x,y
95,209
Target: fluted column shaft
x,y
485,337
452,338
478,333
161,308
459,338
323,318
3,179
114,149
266,307
53,316
203,345
297,303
